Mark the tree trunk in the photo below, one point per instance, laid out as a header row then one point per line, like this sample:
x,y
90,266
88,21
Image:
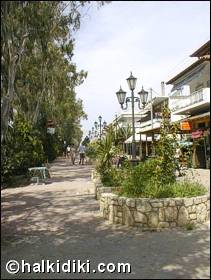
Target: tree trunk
x,y
7,100
14,61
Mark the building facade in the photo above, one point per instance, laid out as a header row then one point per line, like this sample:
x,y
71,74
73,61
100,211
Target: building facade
x,y
189,99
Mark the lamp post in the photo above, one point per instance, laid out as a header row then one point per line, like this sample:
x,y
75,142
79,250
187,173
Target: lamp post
x,y
99,126
90,133
100,120
104,124
93,132
104,128
121,95
116,126
96,128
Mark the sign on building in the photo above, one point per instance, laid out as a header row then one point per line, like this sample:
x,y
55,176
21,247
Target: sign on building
x,y
185,125
50,127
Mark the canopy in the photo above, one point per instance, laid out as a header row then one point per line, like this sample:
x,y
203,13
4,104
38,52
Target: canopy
x,y
137,138
197,134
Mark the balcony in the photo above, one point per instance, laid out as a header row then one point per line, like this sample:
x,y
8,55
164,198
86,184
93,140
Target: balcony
x,y
149,125
196,101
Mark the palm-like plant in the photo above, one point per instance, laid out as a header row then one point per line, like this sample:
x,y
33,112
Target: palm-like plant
x,y
123,133
106,149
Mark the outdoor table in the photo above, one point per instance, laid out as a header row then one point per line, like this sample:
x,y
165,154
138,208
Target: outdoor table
x,y
37,173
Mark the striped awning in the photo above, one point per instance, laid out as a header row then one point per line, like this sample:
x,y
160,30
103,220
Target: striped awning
x,y
197,134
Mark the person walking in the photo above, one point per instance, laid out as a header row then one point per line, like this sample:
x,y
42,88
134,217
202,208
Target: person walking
x,y
68,151
64,149
72,154
81,150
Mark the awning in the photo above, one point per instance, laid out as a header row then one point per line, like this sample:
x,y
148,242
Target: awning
x,y
149,128
207,114
137,138
197,134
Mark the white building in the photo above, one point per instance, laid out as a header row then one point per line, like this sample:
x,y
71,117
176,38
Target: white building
x,y
189,99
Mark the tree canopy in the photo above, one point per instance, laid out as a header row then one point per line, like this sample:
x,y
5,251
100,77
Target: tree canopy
x,y
39,78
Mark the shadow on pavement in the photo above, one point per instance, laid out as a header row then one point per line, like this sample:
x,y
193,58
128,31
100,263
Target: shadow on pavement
x,y
54,224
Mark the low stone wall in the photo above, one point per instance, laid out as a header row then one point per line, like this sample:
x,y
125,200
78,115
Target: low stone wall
x,y
99,188
155,213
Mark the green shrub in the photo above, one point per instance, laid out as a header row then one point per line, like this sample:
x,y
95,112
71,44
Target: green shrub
x,y
91,150
150,177
190,226
151,189
111,177
155,178
21,149
136,179
165,149
185,189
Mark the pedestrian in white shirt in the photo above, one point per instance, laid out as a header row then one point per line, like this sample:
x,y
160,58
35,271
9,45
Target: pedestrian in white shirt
x,y
68,151
82,151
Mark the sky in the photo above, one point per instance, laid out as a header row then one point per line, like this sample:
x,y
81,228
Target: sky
x,y
153,39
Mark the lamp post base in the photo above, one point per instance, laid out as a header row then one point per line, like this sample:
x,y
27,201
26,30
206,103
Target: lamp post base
x,y
133,151
134,162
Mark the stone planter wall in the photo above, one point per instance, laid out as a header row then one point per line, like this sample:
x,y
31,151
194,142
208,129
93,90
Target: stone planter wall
x,y
155,213
99,188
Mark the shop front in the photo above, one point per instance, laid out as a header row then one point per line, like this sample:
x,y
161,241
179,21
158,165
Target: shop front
x,y
199,129
201,148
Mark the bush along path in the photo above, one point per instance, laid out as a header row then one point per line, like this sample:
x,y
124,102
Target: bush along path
x,y
61,221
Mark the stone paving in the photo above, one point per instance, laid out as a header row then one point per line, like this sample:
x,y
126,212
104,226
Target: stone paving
x,y
61,221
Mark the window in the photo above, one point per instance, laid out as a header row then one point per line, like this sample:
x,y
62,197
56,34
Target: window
x,y
201,125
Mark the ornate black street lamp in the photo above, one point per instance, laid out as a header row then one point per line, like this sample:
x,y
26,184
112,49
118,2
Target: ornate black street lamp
x,y
90,133
100,121
121,95
104,124
99,126
93,132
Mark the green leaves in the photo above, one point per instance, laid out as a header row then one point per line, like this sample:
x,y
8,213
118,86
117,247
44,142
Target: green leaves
x,y
39,80
165,172
154,177
142,181
21,150
122,134
39,33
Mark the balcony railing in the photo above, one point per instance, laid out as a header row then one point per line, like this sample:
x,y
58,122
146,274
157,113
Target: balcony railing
x,y
150,123
180,102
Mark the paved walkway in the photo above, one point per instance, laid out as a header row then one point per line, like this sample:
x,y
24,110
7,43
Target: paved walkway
x,y
61,221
